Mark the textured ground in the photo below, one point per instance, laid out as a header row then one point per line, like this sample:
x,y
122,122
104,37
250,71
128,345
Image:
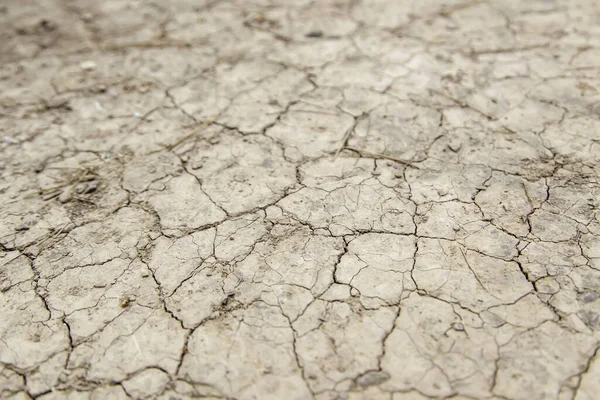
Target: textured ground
x,y
345,199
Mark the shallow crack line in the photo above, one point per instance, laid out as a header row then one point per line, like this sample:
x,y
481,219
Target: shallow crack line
x,y
474,273
585,371
386,336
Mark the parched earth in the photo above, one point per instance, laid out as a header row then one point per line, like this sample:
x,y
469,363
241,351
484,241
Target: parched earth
x,y
302,199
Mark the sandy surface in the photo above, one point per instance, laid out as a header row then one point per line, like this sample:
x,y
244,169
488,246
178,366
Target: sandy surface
x,y
344,199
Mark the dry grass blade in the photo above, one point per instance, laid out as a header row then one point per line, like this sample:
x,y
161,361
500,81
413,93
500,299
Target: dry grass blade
x,y
380,156
348,133
194,131
51,235
87,174
344,141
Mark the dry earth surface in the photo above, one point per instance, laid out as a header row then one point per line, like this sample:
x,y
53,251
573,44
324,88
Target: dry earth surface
x,y
302,199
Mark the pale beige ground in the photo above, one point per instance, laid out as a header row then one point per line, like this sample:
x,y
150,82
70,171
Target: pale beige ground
x,y
208,199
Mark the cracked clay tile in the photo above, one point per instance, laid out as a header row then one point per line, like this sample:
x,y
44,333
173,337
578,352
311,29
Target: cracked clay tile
x,y
146,383
398,128
475,281
311,130
242,173
182,205
346,343
143,171
254,348
441,363
531,362
173,260
156,337
362,206
95,243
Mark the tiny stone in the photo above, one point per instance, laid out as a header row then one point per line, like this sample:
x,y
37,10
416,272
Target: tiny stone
x,y
80,188
99,285
65,196
57,103
63,377
454,145
442,192
314,34
145,274
91,187
87,65
372,378
458,326
589,297
354,292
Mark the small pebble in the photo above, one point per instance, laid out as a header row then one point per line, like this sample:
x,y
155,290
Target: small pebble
x,y
88,65
10,140
99,285
314,34
65,196
589,297
58,103
458,326
92,186
454,145
86,187
80,188
63,377
145,274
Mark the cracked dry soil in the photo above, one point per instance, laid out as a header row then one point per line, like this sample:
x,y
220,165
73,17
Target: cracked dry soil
x,y
309,199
